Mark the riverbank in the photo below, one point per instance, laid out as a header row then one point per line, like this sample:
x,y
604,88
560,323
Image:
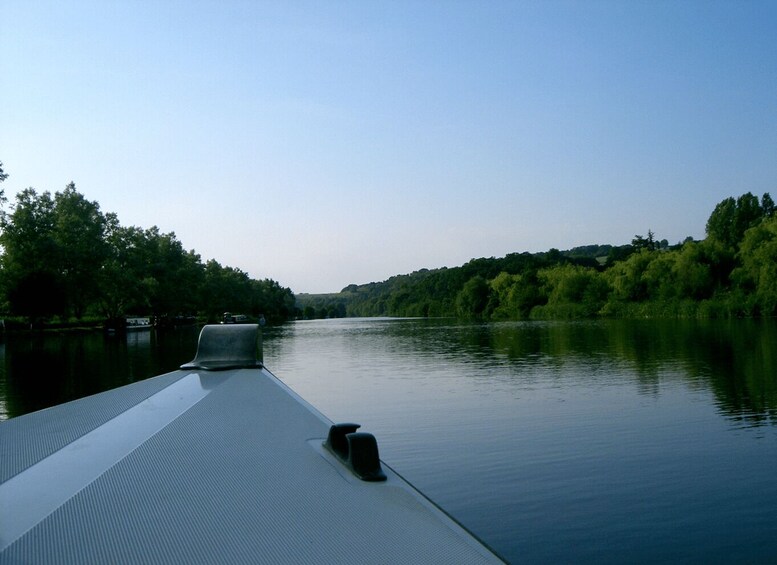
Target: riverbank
x,y
22,326
11,325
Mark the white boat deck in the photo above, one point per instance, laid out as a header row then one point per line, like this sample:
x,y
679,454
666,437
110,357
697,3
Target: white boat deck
x,y
200,466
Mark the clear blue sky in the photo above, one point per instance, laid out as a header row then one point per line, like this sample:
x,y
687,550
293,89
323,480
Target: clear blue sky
x,y
328,143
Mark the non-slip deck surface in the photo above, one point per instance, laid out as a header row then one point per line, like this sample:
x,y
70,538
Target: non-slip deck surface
x,y
205,467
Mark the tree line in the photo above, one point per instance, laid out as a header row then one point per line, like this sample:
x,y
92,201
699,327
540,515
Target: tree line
x,y
732,272
63,258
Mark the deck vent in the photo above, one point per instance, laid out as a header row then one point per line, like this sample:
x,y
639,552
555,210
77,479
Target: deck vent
x,y
356,450
228,346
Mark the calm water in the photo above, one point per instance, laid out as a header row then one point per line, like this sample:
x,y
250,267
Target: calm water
x,y
589,442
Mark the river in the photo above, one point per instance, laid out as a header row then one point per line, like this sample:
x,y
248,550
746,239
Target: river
x,y
585,442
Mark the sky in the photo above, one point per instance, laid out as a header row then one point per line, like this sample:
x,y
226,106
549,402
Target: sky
x,y
322,144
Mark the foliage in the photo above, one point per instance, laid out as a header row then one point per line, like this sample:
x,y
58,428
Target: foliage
x,y
758,271
473,298
63,257
733,272
81,250
649,243
29,260
731,218
573,284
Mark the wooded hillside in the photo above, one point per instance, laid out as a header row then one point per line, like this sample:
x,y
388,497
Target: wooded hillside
x,y
731,273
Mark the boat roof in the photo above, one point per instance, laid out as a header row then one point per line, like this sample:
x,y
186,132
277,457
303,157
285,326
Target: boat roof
x,y
208,466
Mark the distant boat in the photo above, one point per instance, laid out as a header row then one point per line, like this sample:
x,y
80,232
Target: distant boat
x,y
229,318
115,326
135,324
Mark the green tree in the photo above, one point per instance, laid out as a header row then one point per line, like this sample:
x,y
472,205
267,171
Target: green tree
x,y
620,253
276,303
3,176
758,272
731,218
626,277
473,298
79,237
505,292
767,205
658,277
53,252
32,280
692,272
174,276
225,290
61,256
126,285
573,291
639,242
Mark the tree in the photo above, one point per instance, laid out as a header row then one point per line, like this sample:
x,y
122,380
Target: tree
x,y
59,241
692,272
504,293
277,303
720,225
767,205
758,271
62,256
31,276
473,298
123,279
731,218
620,253
626,277
225,290
658,277
3,176
79,237
639,242
575,290
174,275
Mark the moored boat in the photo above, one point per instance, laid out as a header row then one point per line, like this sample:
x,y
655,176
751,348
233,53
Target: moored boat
x,y
135,324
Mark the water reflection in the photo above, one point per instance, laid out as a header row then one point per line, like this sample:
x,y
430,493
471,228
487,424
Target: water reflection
x,y
736,360
39,371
